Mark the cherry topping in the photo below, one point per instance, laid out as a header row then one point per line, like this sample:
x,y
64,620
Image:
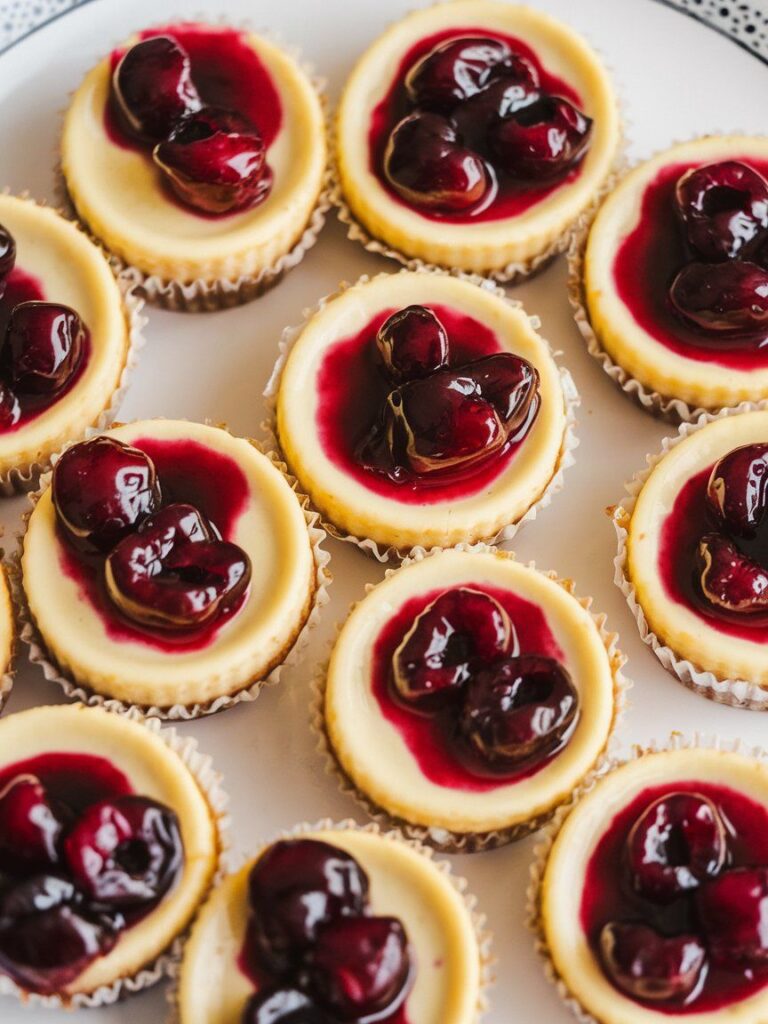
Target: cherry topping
x,y
36,894
7,256
455,635
459,68
413,343
43,347
733,910
724,208
174,572
737,492
10,407
283,1006
101,490
296,887
428,165
678,843
30,826
153,88
729,579
518,708
215,161
646,965
124,852
503,97
724,297
541,139
360,967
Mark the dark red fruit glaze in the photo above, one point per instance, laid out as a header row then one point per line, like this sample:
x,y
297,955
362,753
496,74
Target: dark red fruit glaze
x,y
312,950
608,897
352,388
647,263
431,739
50,926
506,196
186,470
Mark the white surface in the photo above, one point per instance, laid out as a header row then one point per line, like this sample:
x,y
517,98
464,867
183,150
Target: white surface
x,y
678,78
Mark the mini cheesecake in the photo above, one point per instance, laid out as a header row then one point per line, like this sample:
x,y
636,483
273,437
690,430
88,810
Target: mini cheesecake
x,y
675,272
108,844
387,900
695,554
136,166
652,894
65,331
168,563
420,409
468,695
473,135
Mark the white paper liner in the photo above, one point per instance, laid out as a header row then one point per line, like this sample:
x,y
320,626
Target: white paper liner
x,y
667,407
205,296
542,850
483,934
39,655
443,839
566,458
24,478
738,693
210,783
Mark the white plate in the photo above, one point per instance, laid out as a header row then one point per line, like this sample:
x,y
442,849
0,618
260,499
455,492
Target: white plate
x,y
678,78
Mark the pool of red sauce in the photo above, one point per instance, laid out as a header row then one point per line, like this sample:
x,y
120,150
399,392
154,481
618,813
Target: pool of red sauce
x,y
513,198
352,388
189,472
606,897
681,532
647,263
427,737
23,287
78,780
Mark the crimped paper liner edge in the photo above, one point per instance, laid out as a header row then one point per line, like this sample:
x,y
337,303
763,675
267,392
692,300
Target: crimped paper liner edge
x,y
571,401
209,781
483,935
38,655
21,479
443,839
738,693
666,407
201,295
542,850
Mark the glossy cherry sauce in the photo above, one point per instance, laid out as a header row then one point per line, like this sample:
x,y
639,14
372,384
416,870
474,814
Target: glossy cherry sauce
x,y
606,896
352,388
77,780
647,263
188,472
426,737
513,198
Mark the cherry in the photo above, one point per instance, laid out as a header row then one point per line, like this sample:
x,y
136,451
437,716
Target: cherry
x,y
283,1006
7,256
101,490
124,852
459,68
359,967
722,297
456,634
413,343
36,894
541,140
296,887
153,88
215,161
30,825
501,98
724,208
10,407
733,910
675,845
43,347
173,572
729,579
737,491
510,384
427,164
646,965
518,708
